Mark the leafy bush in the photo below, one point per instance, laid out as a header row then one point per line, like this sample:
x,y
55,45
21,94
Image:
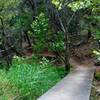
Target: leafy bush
x,y
44,37
40,28
29,81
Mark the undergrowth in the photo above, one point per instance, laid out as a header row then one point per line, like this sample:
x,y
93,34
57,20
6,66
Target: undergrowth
x,y
27,81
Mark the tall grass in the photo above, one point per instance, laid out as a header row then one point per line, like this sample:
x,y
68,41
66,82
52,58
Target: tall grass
x,y
27,81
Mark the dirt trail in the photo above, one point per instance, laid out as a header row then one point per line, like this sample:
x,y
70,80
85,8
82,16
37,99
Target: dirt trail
x,y
80,62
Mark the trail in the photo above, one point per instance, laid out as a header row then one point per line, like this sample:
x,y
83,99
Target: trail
x,y
76,85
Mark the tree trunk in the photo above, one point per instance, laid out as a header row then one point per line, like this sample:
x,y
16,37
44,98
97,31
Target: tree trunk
x,y
67,52
65,30
33,4
28,39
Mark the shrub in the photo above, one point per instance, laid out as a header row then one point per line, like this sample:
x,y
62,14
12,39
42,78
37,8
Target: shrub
x,y
32,80
40,28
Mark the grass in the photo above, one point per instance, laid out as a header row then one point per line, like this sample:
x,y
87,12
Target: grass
x,y
28,81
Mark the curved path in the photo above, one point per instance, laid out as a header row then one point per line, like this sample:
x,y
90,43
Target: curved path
x,y
75,86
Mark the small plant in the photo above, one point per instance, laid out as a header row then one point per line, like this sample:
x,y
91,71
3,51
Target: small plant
x,y
28,80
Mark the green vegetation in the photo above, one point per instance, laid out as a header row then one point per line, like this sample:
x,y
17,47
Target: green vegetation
x,y
40,28
26,81
42,34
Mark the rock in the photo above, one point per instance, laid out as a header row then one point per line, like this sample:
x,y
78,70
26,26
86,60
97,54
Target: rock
x,y
98,91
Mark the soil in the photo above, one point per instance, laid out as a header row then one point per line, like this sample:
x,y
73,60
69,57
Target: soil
x,y
85,50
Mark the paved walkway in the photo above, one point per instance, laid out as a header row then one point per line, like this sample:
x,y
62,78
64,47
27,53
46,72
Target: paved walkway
x,y
75,86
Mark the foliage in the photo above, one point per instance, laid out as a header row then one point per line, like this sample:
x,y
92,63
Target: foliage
x,y
44,36
58,44
40,28
95,28
57,3
7,11
75,5
7,90
96,52
79,4
23,19
29,81
93,19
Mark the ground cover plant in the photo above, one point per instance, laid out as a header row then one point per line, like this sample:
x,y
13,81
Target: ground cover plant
x,y
26,81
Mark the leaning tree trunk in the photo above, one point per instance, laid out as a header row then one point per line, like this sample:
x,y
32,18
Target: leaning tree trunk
x,y
56,13
28,39
67,52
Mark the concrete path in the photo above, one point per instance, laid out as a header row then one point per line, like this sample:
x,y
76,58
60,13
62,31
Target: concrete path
x,y
75,86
